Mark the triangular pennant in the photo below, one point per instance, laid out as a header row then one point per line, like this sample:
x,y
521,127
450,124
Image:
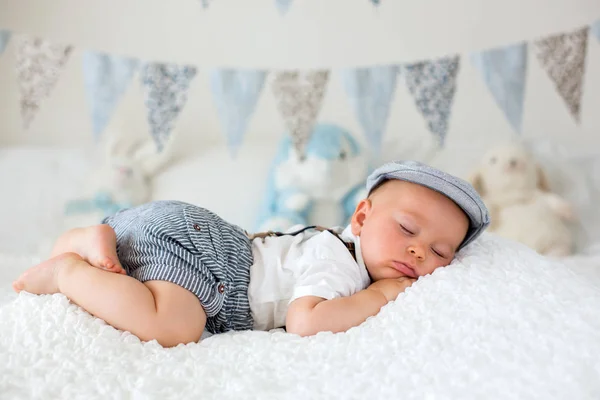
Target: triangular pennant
x,y
371,91
595,29
503,71
283,5
235,93
563,58
165,87
4,38
299,96
39,64
432,85
106,77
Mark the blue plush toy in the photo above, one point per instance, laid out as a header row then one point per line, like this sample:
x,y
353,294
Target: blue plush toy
x,y
322,187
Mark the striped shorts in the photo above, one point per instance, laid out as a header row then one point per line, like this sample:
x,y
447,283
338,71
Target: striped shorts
x,y
193,248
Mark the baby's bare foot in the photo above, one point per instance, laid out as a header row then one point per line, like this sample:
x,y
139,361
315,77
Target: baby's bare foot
x,y
103,252
43,278
96,244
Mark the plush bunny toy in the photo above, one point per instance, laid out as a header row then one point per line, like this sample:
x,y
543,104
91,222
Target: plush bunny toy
x,y
122,181
322,187
522,208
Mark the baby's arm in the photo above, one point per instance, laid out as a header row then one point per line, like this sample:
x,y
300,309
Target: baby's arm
x,y
311,314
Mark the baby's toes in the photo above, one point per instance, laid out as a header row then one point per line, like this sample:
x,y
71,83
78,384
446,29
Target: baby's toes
x,y
17,286
116,267
108,264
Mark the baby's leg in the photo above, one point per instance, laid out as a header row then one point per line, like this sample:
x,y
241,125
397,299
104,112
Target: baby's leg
x,y
95,244
151,310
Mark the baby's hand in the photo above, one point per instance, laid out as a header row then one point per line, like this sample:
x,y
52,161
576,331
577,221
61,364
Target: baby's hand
x,y
391,288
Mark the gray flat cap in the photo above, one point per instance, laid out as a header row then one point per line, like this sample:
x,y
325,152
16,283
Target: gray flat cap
x,y
456,189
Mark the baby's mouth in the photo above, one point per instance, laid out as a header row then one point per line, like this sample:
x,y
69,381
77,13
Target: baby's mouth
x,y
404,268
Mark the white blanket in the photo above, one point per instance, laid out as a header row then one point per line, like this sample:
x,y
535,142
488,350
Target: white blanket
x,y
500,322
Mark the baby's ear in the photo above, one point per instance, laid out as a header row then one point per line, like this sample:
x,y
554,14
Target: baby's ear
x,y
360,213
476,180
542,179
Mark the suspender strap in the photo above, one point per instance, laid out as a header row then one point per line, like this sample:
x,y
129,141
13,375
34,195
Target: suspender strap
x,y
349,245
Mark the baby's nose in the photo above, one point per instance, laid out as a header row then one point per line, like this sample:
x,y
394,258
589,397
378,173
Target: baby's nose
x,y
416,251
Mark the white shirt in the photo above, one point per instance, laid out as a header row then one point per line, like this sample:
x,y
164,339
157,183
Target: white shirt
x,y
311,263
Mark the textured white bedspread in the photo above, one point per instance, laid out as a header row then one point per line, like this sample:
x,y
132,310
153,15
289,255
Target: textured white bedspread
x,y
500,322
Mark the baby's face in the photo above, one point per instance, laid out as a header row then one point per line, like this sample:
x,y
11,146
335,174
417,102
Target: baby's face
x,y
407,229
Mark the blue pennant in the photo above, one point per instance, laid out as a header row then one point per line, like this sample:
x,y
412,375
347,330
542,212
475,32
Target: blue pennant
x,y
503,71
283,6
166,87
106,77
235,93
4,38
371,91
595,29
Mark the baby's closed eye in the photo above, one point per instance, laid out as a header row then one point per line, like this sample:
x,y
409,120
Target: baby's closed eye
x,y
406,230
442,251
439,253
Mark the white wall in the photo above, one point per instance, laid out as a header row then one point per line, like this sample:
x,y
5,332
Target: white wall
x,y
315,33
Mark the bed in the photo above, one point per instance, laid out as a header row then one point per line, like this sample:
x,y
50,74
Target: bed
x,y
499,322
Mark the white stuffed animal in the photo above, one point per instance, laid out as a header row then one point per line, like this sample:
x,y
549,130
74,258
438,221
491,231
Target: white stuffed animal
x,y
522,208
122,181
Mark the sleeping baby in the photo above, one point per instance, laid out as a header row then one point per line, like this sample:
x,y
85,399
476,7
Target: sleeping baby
x,y
169,270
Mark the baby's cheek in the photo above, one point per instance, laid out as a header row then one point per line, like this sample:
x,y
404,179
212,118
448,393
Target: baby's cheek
x,y
370,253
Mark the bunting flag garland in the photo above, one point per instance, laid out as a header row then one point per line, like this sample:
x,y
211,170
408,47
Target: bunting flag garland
x,y
106,77
165,87
432,85
563,58
371,91
503,70
299,95
595,29
283,6
4,38
39,64
236,93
